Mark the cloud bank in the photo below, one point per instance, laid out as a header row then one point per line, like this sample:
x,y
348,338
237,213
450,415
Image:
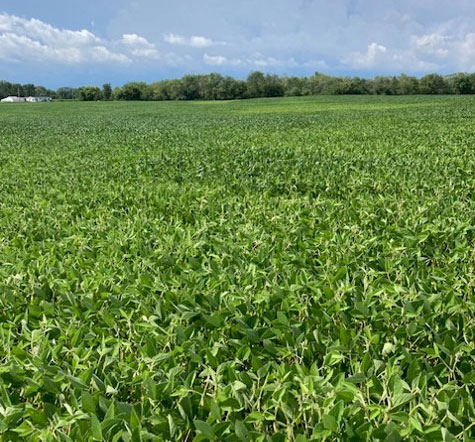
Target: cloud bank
x,y
196,41
149,40
26,40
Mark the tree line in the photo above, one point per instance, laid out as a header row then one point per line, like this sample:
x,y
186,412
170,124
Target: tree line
x,y
24,90
218,87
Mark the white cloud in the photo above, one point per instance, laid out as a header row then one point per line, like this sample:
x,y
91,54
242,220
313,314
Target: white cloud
x,y
433,44
46,34
264,62
31,39
140,46
380,57
196,41
440,50
255,61
5,23
146,53
174,39
15,47
259,61
294,37
298,36
200,42
456,51
461,51
466,51
136,40
101,53
215,60
367,59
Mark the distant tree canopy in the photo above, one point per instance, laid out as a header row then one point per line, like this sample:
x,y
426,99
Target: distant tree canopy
x,y
24,90
218,87
89,93
133,91
106,91
65,93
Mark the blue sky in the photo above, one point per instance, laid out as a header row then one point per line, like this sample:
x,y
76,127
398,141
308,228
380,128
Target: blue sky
x,y
59,43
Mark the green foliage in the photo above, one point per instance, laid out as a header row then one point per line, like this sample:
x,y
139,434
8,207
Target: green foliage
x,y
258,85
106,91
433,84
24,90
65,93
133,91
263,270
88,93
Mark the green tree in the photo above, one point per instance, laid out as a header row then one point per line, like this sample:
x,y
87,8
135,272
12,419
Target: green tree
x,y
29,90
462,84
135,91
89,93
433,84
41,91
384,85
106,91
116,93
273,86
209,86
131,91
256,84
191,87
322,84
65,93
408,85
160,90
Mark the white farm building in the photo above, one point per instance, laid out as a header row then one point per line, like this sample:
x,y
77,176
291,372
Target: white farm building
x,y
38,99
27,100
14,100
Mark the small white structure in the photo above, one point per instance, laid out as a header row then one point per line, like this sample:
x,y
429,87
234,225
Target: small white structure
x,y
14,100
38,99
27,100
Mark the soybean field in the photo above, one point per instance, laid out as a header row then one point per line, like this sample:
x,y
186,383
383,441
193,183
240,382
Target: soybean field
x,y
292,269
